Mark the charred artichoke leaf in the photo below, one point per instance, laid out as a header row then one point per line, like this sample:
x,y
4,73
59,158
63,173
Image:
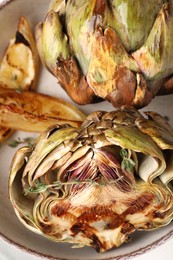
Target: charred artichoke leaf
x,y
167,87
59,61
35,112
154,60
111,70
84,195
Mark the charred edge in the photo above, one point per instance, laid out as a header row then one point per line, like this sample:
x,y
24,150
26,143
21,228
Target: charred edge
x,y
21,39
7,132
161,215
75,229
139,204
117,221
46,228
127,228
96,243
86,230
60,211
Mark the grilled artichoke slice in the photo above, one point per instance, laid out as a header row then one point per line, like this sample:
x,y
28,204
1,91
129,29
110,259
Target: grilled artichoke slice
x,y
19,68
97,184
117,50
35,112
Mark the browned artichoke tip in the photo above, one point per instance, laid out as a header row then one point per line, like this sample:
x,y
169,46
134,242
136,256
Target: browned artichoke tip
x,y
58,60
97,184
119,51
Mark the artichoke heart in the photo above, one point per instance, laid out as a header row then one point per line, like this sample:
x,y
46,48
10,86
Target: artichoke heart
x,y
119,50
97,184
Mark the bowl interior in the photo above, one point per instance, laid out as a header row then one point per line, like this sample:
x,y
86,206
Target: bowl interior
x,y
10,228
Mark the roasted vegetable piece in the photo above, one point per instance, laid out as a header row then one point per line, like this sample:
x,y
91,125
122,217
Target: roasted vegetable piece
x,y
118,50
19,68
97,184
34,112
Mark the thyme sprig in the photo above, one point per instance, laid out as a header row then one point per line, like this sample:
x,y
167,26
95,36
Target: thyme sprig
x,y
40,187
28,140
127,163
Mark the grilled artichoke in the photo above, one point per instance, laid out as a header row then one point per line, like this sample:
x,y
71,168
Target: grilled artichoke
x,y
19,68
118,50
96,184
35,112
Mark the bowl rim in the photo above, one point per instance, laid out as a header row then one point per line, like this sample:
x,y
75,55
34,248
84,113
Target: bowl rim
x,y
134,253
5,2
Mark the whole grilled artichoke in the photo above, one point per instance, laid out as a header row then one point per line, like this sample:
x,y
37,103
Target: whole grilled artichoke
x,y
97,184
119,50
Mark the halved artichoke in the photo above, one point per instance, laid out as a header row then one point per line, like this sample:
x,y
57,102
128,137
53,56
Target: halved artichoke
x,y
19,68
96,184
118,50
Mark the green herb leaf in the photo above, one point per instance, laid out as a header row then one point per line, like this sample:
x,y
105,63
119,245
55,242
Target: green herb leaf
x,y
127,163
28,140
14,143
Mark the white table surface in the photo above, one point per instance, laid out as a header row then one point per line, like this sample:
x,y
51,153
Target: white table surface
x,y
10,252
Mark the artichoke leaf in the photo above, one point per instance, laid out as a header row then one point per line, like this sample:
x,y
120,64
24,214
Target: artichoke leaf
x,y
133,20
59,136
111,67
60,151
39,41
22,205
126,138
155,57
54,41
58,6
167,87
81,24
59,60
158,129
167,176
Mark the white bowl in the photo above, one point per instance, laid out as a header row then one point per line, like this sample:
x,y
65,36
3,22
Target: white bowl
x,y
10,228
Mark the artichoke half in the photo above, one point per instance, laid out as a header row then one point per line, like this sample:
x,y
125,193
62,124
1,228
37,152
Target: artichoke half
x,y
118,50
97,184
